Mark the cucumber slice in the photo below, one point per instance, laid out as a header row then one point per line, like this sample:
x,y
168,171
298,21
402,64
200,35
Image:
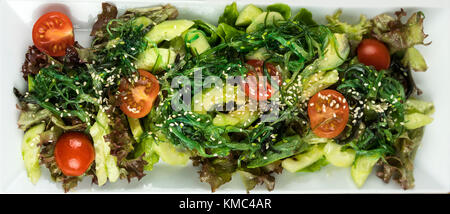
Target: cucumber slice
x,y
260,54
196,40
136,128
155,59
168,30
247,15
206,101
337,157
303,160
362,167
170,154
30,152
144,21
241,118
266,18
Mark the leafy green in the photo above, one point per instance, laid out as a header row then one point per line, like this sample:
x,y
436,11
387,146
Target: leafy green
x,y
354,32
281,8
229,15
227,32
30,152
400,166
399,35
379,99
304,16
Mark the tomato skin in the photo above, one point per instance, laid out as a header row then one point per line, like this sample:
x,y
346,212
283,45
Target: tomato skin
x,y
53,33
74,153
256,88
137,101
375,53
328,113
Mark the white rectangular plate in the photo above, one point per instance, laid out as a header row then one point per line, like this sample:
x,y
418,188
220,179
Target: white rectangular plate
x,y
432,165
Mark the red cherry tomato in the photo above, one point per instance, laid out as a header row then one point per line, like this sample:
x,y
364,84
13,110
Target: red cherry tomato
x,y
328,113
137,100
53,33
257,85
373,52
74,153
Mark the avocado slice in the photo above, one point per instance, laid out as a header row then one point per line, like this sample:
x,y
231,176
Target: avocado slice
x,y
267,18
168,30
247,15
155,59
144,21
136,128
196,40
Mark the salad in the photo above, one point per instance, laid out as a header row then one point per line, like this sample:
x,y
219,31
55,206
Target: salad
x,y
262,92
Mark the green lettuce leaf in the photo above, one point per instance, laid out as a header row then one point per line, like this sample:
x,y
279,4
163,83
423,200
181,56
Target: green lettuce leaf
x,y
229,15
304,16
353,32
281,8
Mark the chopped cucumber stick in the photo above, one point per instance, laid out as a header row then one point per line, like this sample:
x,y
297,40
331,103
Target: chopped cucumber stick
x,y
168,30
264,19
136,128
362,167
30,152
303,160
247,15
155,59
337,157
196,40
170,154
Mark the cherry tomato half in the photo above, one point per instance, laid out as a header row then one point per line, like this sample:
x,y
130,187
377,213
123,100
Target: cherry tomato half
x,y
375,53
257,85
74,153
137,100
328,113
53,33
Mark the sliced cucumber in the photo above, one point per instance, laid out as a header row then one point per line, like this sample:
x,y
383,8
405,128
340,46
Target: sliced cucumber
x,y
30,152
155,59
247,15
337,157
362,167
303,160
136,128
206,101
168,30
319,81
144,21
241,118
170,154
266,18
260,54
196,40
